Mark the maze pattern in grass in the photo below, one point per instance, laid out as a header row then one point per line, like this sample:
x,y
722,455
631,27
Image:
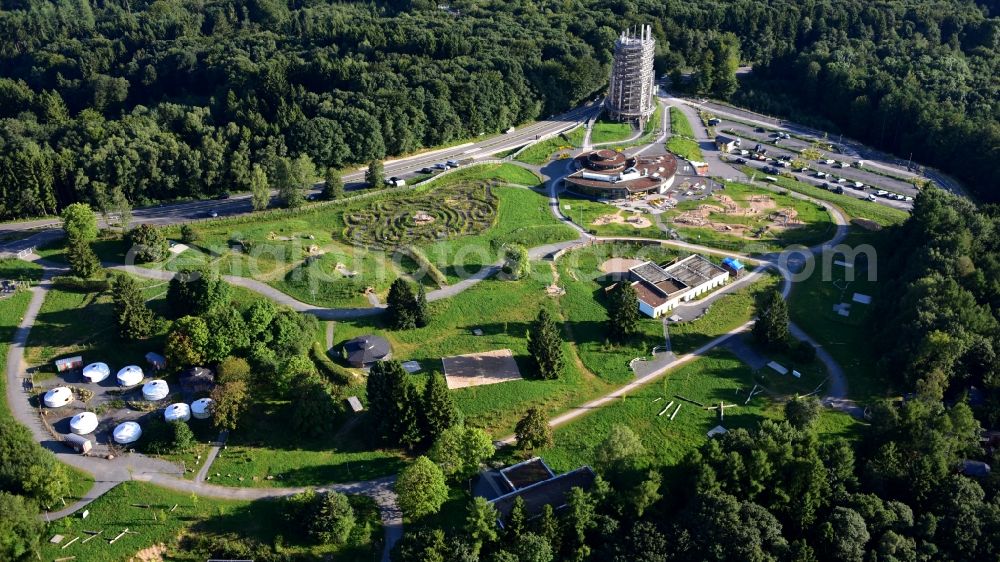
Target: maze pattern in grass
x,y
391,223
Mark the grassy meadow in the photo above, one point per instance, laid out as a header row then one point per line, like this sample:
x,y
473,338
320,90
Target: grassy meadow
x,y
159,519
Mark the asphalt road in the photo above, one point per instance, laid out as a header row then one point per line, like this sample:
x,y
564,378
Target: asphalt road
x,y
172,213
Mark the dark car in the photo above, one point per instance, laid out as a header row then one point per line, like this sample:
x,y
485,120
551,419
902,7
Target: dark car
x,y
222,196
759,130
427,170
313,197
741,161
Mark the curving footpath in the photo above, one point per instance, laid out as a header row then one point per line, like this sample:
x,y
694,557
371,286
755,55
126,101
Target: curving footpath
x,y
109,474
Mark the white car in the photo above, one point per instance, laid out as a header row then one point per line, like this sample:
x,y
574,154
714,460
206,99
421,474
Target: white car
x,y
859,185
829,161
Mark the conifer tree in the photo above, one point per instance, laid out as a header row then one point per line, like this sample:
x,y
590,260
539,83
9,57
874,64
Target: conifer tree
x,y
545,346
623,311
401,305
385,388
771,327
408,426
134,318
439,411
82,259
422,315
517,521
533,431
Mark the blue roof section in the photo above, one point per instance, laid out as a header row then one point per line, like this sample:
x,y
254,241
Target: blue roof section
x,y
733,263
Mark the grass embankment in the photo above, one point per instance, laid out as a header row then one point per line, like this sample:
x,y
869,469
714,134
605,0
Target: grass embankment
x,y
719,376
853,207
682,140
542,151
150,515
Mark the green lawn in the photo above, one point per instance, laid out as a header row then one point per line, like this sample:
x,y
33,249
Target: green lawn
x,y
150,515
685,148
715,377
726,314
502,310
262,447
586,315
852,206
719,376
610,131
845,338
19,270
576,136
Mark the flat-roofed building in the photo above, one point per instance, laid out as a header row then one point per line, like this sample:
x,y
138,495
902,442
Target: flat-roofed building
x,y
661,288
532,481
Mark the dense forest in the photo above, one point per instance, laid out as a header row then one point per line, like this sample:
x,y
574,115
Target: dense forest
x,y
164,100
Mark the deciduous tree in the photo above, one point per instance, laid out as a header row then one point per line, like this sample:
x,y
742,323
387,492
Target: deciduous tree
x,y
421,488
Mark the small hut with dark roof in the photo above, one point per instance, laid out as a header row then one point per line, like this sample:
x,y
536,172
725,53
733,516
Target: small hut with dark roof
x,y
362,351
197,379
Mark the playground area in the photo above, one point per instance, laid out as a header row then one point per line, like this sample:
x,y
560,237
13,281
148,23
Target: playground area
x,y
635,220
476,369
747,218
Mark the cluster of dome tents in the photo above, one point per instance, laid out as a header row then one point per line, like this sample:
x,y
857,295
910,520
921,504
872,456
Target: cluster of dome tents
x,y
127,432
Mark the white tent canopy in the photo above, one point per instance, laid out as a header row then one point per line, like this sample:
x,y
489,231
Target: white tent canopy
x,y
58,396
127,432
202,408
130,376
177,412
155,390
96,372
83,423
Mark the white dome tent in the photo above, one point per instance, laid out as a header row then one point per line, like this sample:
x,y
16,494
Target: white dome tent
x,y
202,408
96,372
58,397
127,432
155,390
130,376
83,423
177,412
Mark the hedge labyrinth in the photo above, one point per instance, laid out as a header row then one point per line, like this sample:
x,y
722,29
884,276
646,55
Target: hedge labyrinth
x,y
435,215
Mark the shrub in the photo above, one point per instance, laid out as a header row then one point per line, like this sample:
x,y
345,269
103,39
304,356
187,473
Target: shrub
x,y
76,284
189,234
333,372
803,352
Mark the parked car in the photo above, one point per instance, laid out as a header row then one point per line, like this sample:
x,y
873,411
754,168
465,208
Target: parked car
x,y
829,161
859,185
760,130
741,161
